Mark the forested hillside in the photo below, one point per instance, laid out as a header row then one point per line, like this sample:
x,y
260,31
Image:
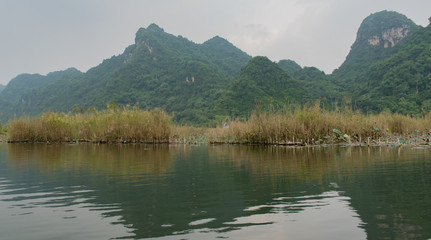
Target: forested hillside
x,y
387,69
15,97
261,83
159,70
402,82
380,35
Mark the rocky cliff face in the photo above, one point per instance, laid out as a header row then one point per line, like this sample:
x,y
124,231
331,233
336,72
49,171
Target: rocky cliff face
x,y
390,37
385,29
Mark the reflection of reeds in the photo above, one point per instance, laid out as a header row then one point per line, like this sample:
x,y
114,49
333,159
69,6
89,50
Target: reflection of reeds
x,y
111,125
313,164
126,161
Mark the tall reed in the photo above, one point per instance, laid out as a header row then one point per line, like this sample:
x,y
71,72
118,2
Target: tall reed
x,y
305,125
313,125
111,125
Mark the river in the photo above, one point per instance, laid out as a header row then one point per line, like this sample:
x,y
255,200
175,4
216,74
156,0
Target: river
x,y
90,191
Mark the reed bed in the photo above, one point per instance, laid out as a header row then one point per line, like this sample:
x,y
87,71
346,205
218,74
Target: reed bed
x,y
189,135
117,125
313,125
301,126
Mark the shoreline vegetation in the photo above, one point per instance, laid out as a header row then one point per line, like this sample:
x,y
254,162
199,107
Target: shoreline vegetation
x,y
308,125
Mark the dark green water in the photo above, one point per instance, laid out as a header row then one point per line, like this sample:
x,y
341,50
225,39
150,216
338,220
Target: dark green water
x,y
213,192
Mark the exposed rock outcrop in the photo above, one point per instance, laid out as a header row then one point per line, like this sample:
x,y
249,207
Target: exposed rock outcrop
x,y
390,37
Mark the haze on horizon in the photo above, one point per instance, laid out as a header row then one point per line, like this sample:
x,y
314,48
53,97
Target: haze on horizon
x,y
50,35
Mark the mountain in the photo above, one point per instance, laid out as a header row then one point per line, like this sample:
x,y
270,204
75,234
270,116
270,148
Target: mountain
x,y
158,70
225,55
12,96
402,82
261,83
2,87
24,83
289,66
379,36
319,86
387,69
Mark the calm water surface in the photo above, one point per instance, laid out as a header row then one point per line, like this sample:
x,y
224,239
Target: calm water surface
x,y
213,192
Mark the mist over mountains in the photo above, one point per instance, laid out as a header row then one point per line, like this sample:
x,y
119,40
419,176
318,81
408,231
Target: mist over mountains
x,y
387,69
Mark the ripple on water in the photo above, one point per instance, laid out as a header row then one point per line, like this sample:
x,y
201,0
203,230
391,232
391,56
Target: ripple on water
x,y
202,221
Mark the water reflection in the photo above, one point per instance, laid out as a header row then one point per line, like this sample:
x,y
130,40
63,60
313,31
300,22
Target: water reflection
x,y
208,192
389,187
34,211
127,160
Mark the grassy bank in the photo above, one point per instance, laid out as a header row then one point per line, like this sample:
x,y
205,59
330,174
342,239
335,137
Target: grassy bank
x,y
115,125
312,125
307,125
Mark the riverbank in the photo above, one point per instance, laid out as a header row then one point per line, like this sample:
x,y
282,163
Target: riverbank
x,y
114,125
314,126
302,126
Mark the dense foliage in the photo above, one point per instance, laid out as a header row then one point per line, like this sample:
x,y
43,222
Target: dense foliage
x,y
402,82
290,66
264,84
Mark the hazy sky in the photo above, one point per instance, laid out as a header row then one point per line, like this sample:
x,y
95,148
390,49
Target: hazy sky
x,y
49,35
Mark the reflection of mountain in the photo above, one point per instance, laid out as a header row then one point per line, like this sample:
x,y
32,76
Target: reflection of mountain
x,y
159,190
389,188
394,194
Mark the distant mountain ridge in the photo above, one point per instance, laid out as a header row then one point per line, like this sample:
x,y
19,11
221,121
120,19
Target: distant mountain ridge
x,y
158,70
388,68
12,97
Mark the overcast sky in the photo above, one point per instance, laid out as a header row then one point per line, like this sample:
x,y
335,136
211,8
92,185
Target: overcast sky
x,y
49,35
